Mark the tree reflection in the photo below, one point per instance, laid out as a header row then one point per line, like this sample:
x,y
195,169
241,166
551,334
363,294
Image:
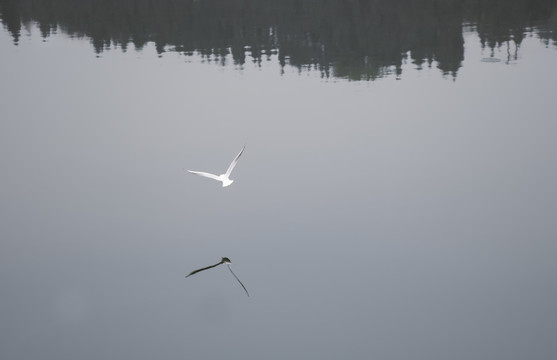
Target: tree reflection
x,y
354,39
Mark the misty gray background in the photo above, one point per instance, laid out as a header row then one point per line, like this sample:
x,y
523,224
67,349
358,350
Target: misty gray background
x,y
410,219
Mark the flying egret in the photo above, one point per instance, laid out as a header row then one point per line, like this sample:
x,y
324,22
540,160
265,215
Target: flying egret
x,y
224,178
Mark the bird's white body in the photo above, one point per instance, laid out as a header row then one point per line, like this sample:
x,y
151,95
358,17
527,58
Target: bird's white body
x,y
226,181
224,178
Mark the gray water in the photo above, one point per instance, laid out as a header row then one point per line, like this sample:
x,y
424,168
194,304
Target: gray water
x,y
410,215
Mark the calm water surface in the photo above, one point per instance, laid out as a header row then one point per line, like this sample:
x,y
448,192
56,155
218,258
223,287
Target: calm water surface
x,y
396,198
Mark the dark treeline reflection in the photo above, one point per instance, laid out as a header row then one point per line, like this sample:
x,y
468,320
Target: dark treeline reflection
x,y
356,39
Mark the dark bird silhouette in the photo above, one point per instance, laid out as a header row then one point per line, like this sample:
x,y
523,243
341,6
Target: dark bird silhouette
x,y
226,261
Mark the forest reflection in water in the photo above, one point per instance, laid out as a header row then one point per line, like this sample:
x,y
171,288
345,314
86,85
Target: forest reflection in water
x,y
357,40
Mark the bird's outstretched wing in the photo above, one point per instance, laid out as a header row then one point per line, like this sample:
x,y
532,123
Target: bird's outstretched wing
x,y
205,268
229,268
234,162
201,173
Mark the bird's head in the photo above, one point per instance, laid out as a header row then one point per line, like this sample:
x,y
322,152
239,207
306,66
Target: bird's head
x,y
226,260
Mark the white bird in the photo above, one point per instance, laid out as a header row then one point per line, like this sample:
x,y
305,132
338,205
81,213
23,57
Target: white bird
x,y
224,178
